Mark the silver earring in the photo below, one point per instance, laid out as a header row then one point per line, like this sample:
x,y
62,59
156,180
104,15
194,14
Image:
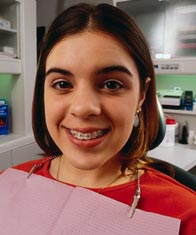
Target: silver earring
x,y
136,119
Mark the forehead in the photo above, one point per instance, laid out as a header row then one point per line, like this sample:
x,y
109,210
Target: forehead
x,y
90,37
95,48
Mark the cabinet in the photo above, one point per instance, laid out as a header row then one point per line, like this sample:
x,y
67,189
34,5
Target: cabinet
x,y
10,36
26,153
20,34
185,30
170,29
18,155
5,160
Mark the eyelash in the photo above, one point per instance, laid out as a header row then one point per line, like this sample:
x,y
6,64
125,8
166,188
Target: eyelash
x,y
109,85
113,85
65,85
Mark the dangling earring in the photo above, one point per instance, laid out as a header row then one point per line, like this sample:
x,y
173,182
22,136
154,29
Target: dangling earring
x,y
136,120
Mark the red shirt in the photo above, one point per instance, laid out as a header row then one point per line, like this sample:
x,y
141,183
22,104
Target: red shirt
x,y
159,194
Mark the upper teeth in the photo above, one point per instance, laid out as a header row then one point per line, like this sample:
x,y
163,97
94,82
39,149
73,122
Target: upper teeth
x,y
86,136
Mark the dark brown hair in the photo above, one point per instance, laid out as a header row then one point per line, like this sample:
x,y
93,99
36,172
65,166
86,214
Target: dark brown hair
x,y
110,20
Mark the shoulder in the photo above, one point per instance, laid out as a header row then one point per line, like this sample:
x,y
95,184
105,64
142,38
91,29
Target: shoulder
x,y
168,195
163,181
164,195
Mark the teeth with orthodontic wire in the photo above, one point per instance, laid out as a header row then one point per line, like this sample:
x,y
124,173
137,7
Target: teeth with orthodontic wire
x,y
86,136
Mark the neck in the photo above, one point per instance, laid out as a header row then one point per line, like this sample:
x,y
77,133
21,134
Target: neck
x,y
105,176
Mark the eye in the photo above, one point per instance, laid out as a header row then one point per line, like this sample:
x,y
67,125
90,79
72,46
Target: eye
x,y
113,85
62,85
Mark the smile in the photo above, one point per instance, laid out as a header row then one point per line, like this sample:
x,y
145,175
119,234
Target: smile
x,y
87,136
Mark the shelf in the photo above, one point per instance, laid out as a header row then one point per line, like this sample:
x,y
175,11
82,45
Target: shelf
x,y
6,2
12,141
10,65
3,30
176,111
186,45
186,36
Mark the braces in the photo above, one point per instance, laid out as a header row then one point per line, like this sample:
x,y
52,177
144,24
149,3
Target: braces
x,y
86,136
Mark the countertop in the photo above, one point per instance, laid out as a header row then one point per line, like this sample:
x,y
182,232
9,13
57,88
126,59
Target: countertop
x,y
183,156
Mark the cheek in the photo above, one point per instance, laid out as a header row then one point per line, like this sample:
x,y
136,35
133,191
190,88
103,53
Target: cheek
x,y
123,114
126,125
127,117
54,109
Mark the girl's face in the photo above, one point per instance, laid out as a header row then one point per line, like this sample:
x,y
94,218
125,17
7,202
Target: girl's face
x,y
91,94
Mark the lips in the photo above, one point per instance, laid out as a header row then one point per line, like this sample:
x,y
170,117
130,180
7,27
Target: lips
x,y
86,137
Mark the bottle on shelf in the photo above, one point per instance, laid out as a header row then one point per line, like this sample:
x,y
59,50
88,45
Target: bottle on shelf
x,y
194,105
4,129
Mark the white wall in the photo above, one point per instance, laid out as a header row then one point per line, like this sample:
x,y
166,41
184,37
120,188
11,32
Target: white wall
x,y
48,10
68,3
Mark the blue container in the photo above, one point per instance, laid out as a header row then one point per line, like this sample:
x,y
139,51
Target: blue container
x,y
4,127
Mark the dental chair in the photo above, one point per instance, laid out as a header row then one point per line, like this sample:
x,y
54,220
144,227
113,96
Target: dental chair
x,y
182,176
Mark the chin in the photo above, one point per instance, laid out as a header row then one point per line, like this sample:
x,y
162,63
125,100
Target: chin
x,y
86,166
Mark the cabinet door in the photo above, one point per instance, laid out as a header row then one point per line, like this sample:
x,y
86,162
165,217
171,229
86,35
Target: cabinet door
x,y
169,26
17,85
150,17
5,160
26,153
9,29
185,28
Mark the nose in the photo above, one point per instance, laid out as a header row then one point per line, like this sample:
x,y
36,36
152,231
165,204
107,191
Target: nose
x,y
85,103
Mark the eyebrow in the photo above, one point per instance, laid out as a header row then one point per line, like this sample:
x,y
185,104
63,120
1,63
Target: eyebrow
x,y
114,68
105,70
57,70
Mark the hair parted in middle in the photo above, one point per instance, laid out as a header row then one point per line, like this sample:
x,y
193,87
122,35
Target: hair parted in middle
x,y
114,22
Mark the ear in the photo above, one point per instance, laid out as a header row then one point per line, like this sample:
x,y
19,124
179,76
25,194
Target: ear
x,y
143,93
